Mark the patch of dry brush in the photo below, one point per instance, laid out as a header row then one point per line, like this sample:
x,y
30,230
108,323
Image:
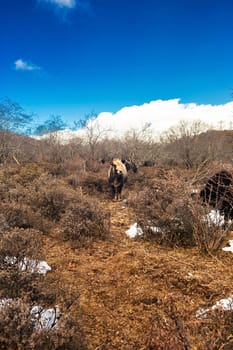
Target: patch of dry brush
x,y
114,293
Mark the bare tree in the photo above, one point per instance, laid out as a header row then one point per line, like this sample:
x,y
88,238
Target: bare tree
x,y
12,119
53,124
93,132
182,145
139,145
51,147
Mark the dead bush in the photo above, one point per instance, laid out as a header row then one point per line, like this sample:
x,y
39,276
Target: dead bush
x,y
209,233
28,172
20,176
84,221
174,327
18,248
213,331
93,183
73,181
67,336
50,197
20,243
13,214
65,168
52,204
168,214
16,325
47,196
56,169
168,329
18,331
162,210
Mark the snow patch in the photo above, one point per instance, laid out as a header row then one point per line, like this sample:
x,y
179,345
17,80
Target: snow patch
x,y
42,318
45,318
134,231
214,218
34,266
230,248
223,304
155,229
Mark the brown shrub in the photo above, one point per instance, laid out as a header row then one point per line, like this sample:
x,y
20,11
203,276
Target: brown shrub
x,y
214,331
52,204
16,326
168,214
162,209
67,336
27,173
50,197
18,332
168,329
84,221
37,203
174,327
90,183
16,276
21,243
18,215
209,236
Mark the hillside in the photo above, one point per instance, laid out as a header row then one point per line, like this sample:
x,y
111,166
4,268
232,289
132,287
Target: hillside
x,y
124,293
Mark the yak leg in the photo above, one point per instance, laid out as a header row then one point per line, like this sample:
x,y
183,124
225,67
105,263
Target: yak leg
x,y
118,192
116,197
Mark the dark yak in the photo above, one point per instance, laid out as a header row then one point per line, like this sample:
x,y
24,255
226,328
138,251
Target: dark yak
x,y
117,176
130,165
218,192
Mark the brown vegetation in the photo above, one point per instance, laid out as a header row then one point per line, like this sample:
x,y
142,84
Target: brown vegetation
x,y
114,292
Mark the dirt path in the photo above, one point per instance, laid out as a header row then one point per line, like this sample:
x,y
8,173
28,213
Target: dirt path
x,y
99,281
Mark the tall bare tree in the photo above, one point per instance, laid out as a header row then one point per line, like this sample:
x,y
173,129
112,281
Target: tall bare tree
x,y
13,119
182,144
93,132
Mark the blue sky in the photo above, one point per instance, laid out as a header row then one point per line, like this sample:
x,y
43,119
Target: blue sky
x,y
72,57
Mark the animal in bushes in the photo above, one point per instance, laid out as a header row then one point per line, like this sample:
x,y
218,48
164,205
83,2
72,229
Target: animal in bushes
x,y
117,177
130,165
218,193
148,163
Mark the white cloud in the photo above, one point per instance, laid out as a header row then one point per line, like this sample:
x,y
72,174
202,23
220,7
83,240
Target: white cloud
x,y
26,66
160,115
62,3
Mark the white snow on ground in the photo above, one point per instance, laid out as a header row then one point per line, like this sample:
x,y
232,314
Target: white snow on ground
x,y
134,231
40,267
156,229
42,318
214,218
223,304
5,301
230,248
34,266
45,318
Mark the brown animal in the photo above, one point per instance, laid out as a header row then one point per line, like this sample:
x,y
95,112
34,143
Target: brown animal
x,y
117,177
